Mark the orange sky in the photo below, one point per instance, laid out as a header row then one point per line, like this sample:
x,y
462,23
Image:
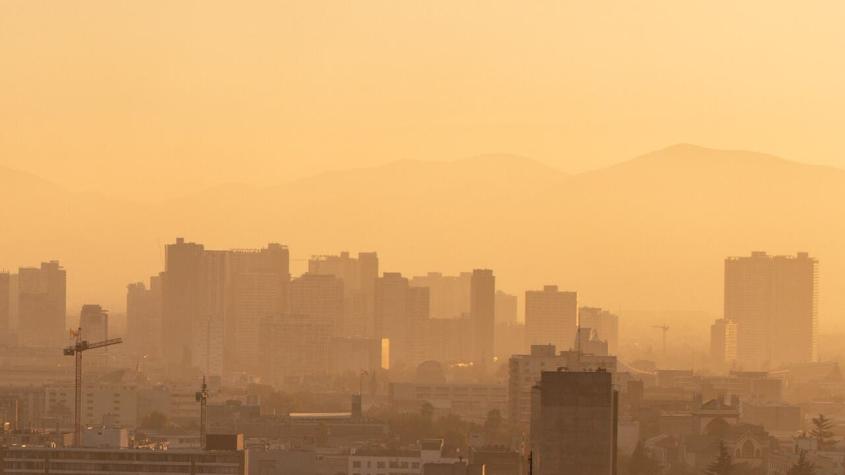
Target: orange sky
x,y
154,98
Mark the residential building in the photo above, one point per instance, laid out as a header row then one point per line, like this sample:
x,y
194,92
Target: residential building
x,y
551,317
723,342
482,310
605,323
42,306
573,423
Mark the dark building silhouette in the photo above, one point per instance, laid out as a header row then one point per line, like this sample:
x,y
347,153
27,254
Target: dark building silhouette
x,y
573,423
42,305
551,317
482,311
774,302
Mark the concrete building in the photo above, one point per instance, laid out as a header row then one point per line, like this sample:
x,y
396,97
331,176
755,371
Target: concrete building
x,y
573,423
449,294
482,312
524,371
506,308
117,403
182,286
587,342
86,461
385,461
94,322
258,282
401,312
551,317
42,306
319,296
605,323
294,347
774,302
143,317
723,342
5,307
359,279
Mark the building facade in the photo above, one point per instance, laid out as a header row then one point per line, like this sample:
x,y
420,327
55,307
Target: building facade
x,y
551,317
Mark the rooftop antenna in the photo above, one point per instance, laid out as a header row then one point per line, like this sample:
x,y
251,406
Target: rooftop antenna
x,y
202,398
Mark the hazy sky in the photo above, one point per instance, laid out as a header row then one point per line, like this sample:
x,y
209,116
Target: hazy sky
x,y
144,97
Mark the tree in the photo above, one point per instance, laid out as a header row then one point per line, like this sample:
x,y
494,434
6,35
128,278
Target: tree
x,y
641,462
723,465
803,466
822,431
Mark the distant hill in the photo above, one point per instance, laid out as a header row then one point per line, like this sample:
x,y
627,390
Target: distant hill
x,y
648,233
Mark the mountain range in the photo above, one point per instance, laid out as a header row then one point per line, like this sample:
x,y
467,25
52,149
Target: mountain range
x,y
650,233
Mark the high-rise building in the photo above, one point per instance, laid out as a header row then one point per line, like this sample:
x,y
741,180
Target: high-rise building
x,y
294,347
401,312
213,302
319,297
573,423
482,312
587,341
359,279
143,317
94,323
258,286
180,294
605,324
42,305
524,372
774,302
5,306
449,294
723,341
506,308
551,317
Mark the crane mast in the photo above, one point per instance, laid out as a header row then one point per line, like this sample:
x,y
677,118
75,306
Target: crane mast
x,y
76,351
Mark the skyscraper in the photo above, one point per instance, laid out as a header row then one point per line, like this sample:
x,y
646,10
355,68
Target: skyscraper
x,y
723,341
180,294
573,423
143,317
774,302
5,306
359,279
42,305
551,317
319,297
482,311
94,323
506,308
605,324
449,294
401,312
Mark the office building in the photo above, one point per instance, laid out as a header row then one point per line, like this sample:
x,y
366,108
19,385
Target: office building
x,y
524,372
573,423
551,317
42,305
181,290
723,342
774,302
605,323
482,312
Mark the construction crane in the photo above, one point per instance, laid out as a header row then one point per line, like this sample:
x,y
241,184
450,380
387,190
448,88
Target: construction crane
x,y
202,398
665,330
76,350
